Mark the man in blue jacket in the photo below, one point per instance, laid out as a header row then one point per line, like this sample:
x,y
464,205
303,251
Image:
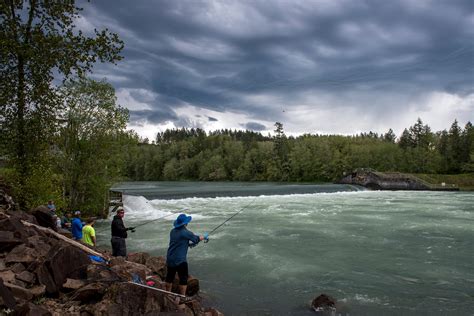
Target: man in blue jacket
x,y
76,225
176,261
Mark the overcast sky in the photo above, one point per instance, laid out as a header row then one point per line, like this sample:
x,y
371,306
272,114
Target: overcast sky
x,y
328,66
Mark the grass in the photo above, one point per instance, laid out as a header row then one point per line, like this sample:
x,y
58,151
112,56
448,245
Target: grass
x,y
465,181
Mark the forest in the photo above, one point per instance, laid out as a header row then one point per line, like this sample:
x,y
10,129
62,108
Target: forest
x,y
235,155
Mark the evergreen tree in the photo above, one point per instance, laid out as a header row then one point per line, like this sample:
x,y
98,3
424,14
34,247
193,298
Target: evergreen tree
x,y
455,148
406,140
389,136
280,149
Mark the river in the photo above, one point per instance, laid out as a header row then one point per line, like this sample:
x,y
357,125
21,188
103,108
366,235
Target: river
x,y
376,252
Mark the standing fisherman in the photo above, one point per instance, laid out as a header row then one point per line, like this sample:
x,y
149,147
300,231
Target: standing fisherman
x,y
176,261
77,226
119,234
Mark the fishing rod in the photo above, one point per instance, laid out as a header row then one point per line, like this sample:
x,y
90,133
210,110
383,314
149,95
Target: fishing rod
x,y
238,212
153,220
132,229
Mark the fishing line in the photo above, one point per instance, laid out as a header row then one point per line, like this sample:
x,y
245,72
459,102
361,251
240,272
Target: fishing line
x,y
154,220
243,208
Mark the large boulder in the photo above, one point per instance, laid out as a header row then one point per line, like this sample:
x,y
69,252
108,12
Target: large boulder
x,y
91,293
102,273
38,290
138,257
129,299
126,269
14,225
7,276
44,217
8,241
157,265
65,262
46,279
192,288
6,296
21,216
27,277
22,253
73,284
324,305
30,309
17,267
41,244
19,292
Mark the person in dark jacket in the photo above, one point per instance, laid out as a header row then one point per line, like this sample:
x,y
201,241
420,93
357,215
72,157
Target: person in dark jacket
x,y
119,234
180,240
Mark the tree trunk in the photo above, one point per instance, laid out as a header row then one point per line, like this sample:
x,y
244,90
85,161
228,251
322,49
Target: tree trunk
x,y
21,137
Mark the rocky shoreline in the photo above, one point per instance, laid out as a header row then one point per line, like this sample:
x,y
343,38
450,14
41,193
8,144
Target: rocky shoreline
x,y
42,273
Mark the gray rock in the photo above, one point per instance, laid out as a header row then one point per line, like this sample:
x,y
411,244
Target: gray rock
x,y
7,276
19,292
8,241
73,284
30,309
7,296
138,257
26,276
23,254
88,293
17,268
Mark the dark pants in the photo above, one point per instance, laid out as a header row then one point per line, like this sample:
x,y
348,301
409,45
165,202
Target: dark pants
x,y
119,248
182,270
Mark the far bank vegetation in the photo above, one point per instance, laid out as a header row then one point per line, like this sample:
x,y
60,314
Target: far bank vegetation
x,y
232,155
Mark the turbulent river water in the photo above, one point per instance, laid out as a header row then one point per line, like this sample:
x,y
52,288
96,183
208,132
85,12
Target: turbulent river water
x,y
376,252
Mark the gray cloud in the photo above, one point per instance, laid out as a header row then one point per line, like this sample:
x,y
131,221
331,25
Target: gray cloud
x,y
155,116
254,126
256,59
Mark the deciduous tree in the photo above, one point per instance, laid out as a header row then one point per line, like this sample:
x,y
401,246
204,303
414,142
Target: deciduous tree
x,y
39,42
91,142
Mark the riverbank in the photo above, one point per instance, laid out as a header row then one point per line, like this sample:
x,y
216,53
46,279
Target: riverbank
x,y
464,181
44,273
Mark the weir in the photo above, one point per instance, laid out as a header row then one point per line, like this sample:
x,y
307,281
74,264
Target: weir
x,y
112,201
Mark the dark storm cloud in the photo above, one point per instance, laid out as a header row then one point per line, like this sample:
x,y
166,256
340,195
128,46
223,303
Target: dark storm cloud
x,y
217,55
154,116
254,126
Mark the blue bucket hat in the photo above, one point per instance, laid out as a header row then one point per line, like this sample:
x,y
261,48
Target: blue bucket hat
x,y
182,220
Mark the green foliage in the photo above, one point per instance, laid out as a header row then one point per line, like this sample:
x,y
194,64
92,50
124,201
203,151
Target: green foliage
x,y
187,154
38,44
90,143
464,180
